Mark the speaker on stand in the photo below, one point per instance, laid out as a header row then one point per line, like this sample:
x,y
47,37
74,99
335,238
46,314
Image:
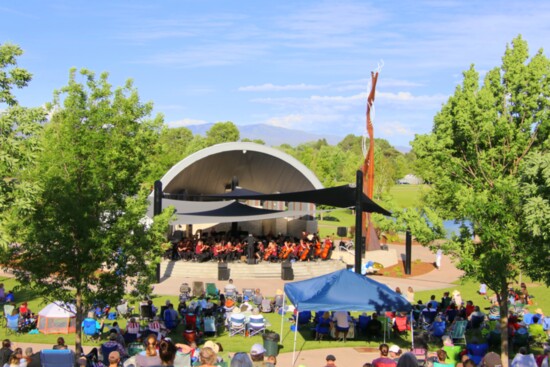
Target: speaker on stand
x,y
223,271
287,273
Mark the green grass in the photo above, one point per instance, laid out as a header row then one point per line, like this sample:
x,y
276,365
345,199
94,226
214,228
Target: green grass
x,y
407,196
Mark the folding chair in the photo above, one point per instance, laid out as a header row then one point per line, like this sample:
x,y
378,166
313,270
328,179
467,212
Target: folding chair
x,y
401,324
57,358
477,351
124,311
237,325
322,328
248,292
427,318
212,291
266,306
145,313
304,317
477,322
362,323
458,332
105,351
198,289
421,355
190,321
438,329
89,328
256,325
8,310
185,292
230,293
12,324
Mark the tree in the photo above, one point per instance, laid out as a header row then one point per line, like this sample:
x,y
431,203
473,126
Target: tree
x,y
473,157
19,128
173,147
222,132
86,239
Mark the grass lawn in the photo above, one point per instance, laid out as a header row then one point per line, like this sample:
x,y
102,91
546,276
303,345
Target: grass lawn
x,y
407,196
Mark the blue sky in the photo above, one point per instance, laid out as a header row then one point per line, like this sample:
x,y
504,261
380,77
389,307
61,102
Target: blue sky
x,y
297,64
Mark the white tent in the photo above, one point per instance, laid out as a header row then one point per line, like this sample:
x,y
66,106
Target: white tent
x,y
57,318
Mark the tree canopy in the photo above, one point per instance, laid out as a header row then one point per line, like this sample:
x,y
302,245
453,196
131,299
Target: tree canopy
x,y
86,238
474,156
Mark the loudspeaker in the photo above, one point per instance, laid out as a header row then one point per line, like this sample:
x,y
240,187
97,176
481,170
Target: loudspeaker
x,y
223,271
287,273
342,231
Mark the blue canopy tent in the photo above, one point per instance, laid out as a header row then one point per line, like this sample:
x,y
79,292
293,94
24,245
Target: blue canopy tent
x,y
343,290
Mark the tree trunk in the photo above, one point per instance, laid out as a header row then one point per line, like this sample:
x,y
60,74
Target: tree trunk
x,y
78,331
503,304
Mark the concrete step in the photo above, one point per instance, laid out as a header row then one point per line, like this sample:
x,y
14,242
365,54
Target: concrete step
x,y
302,270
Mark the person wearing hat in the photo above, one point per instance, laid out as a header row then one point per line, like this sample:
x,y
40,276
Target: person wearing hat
x,y
257,353
277,302
394,352
114,359
113,343
330,361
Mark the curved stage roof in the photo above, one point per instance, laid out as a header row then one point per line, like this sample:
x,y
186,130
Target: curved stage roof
x,y
257,167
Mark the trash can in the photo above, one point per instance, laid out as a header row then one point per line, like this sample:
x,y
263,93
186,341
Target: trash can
x,y
271,343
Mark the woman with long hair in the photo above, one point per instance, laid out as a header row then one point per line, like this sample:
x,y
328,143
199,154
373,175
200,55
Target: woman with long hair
x,y
167,353
150,357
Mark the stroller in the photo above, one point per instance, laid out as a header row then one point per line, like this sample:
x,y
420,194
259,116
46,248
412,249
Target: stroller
x,y
185,292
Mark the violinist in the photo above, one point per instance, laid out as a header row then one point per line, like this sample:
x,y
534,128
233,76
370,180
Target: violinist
x,y
217,252
203,252
238,250
181,249
260,252
229,251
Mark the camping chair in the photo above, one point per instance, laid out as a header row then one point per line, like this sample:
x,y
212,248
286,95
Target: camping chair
x,y
477,351
362,323
105,351
145,313
427,318
401,324
89,328
230,293
190,321
212,291
438,329
304,317
124,311
421,355
528,318
520,338
12,324
256,325
198,289
322,328
185,292
477,322
458,332
237,325
248,292
8,310
57,358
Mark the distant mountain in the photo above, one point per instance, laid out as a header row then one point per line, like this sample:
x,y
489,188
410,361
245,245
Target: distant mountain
x,y
275,136
272,135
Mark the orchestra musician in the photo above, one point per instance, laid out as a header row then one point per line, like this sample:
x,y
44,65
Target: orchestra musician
x,y
286,250
229,251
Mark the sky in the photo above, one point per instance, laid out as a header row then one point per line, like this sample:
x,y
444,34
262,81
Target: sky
x,y
297,64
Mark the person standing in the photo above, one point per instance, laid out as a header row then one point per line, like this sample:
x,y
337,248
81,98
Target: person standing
x,y
438,256
5,352
384,360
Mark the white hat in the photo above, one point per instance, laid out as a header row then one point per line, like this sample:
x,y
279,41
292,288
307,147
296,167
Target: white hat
x,y
257,349
210,344
395,349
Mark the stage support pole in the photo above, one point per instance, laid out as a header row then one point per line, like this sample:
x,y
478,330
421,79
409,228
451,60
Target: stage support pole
x,y
408,252
157,209
358,220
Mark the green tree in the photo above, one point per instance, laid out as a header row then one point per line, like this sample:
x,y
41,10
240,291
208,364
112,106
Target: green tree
x,y
19,130
87,239
222,132
173,147
473,157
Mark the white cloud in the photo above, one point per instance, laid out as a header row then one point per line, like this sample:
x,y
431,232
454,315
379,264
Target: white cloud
x,y
393,128
269,87
186,122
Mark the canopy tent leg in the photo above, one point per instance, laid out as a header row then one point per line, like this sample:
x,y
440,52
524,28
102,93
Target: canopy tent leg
x,y
282,317
412,330
295,336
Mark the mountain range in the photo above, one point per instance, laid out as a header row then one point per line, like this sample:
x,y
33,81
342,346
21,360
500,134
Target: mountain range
x,y
275,136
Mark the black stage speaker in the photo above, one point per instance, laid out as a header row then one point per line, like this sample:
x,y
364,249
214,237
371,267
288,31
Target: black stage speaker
x,y
223,271
342,231
287,273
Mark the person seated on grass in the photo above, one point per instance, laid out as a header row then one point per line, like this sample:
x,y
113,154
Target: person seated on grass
x,y
523,359
257,298
374,327
113,343
10,297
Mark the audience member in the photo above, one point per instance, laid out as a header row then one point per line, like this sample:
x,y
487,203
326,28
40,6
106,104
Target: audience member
x,y
241,359
394,352
114,359
33,359
5,352
341,323
331,361
407,360
150,357
523,359
410,294
490,359
383,360
257,353
10,297
207,357
167,352
60,344
114,343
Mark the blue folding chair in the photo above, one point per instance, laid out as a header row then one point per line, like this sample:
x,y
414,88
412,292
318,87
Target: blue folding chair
x,y
12,324
89,328
57,358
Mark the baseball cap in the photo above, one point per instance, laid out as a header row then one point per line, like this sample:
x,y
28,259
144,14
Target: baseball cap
x,y
257,349
114,356
491,359
210,344
330,357
394,348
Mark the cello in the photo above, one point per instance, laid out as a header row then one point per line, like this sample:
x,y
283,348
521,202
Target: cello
x,y
317,249
304,253
326,249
